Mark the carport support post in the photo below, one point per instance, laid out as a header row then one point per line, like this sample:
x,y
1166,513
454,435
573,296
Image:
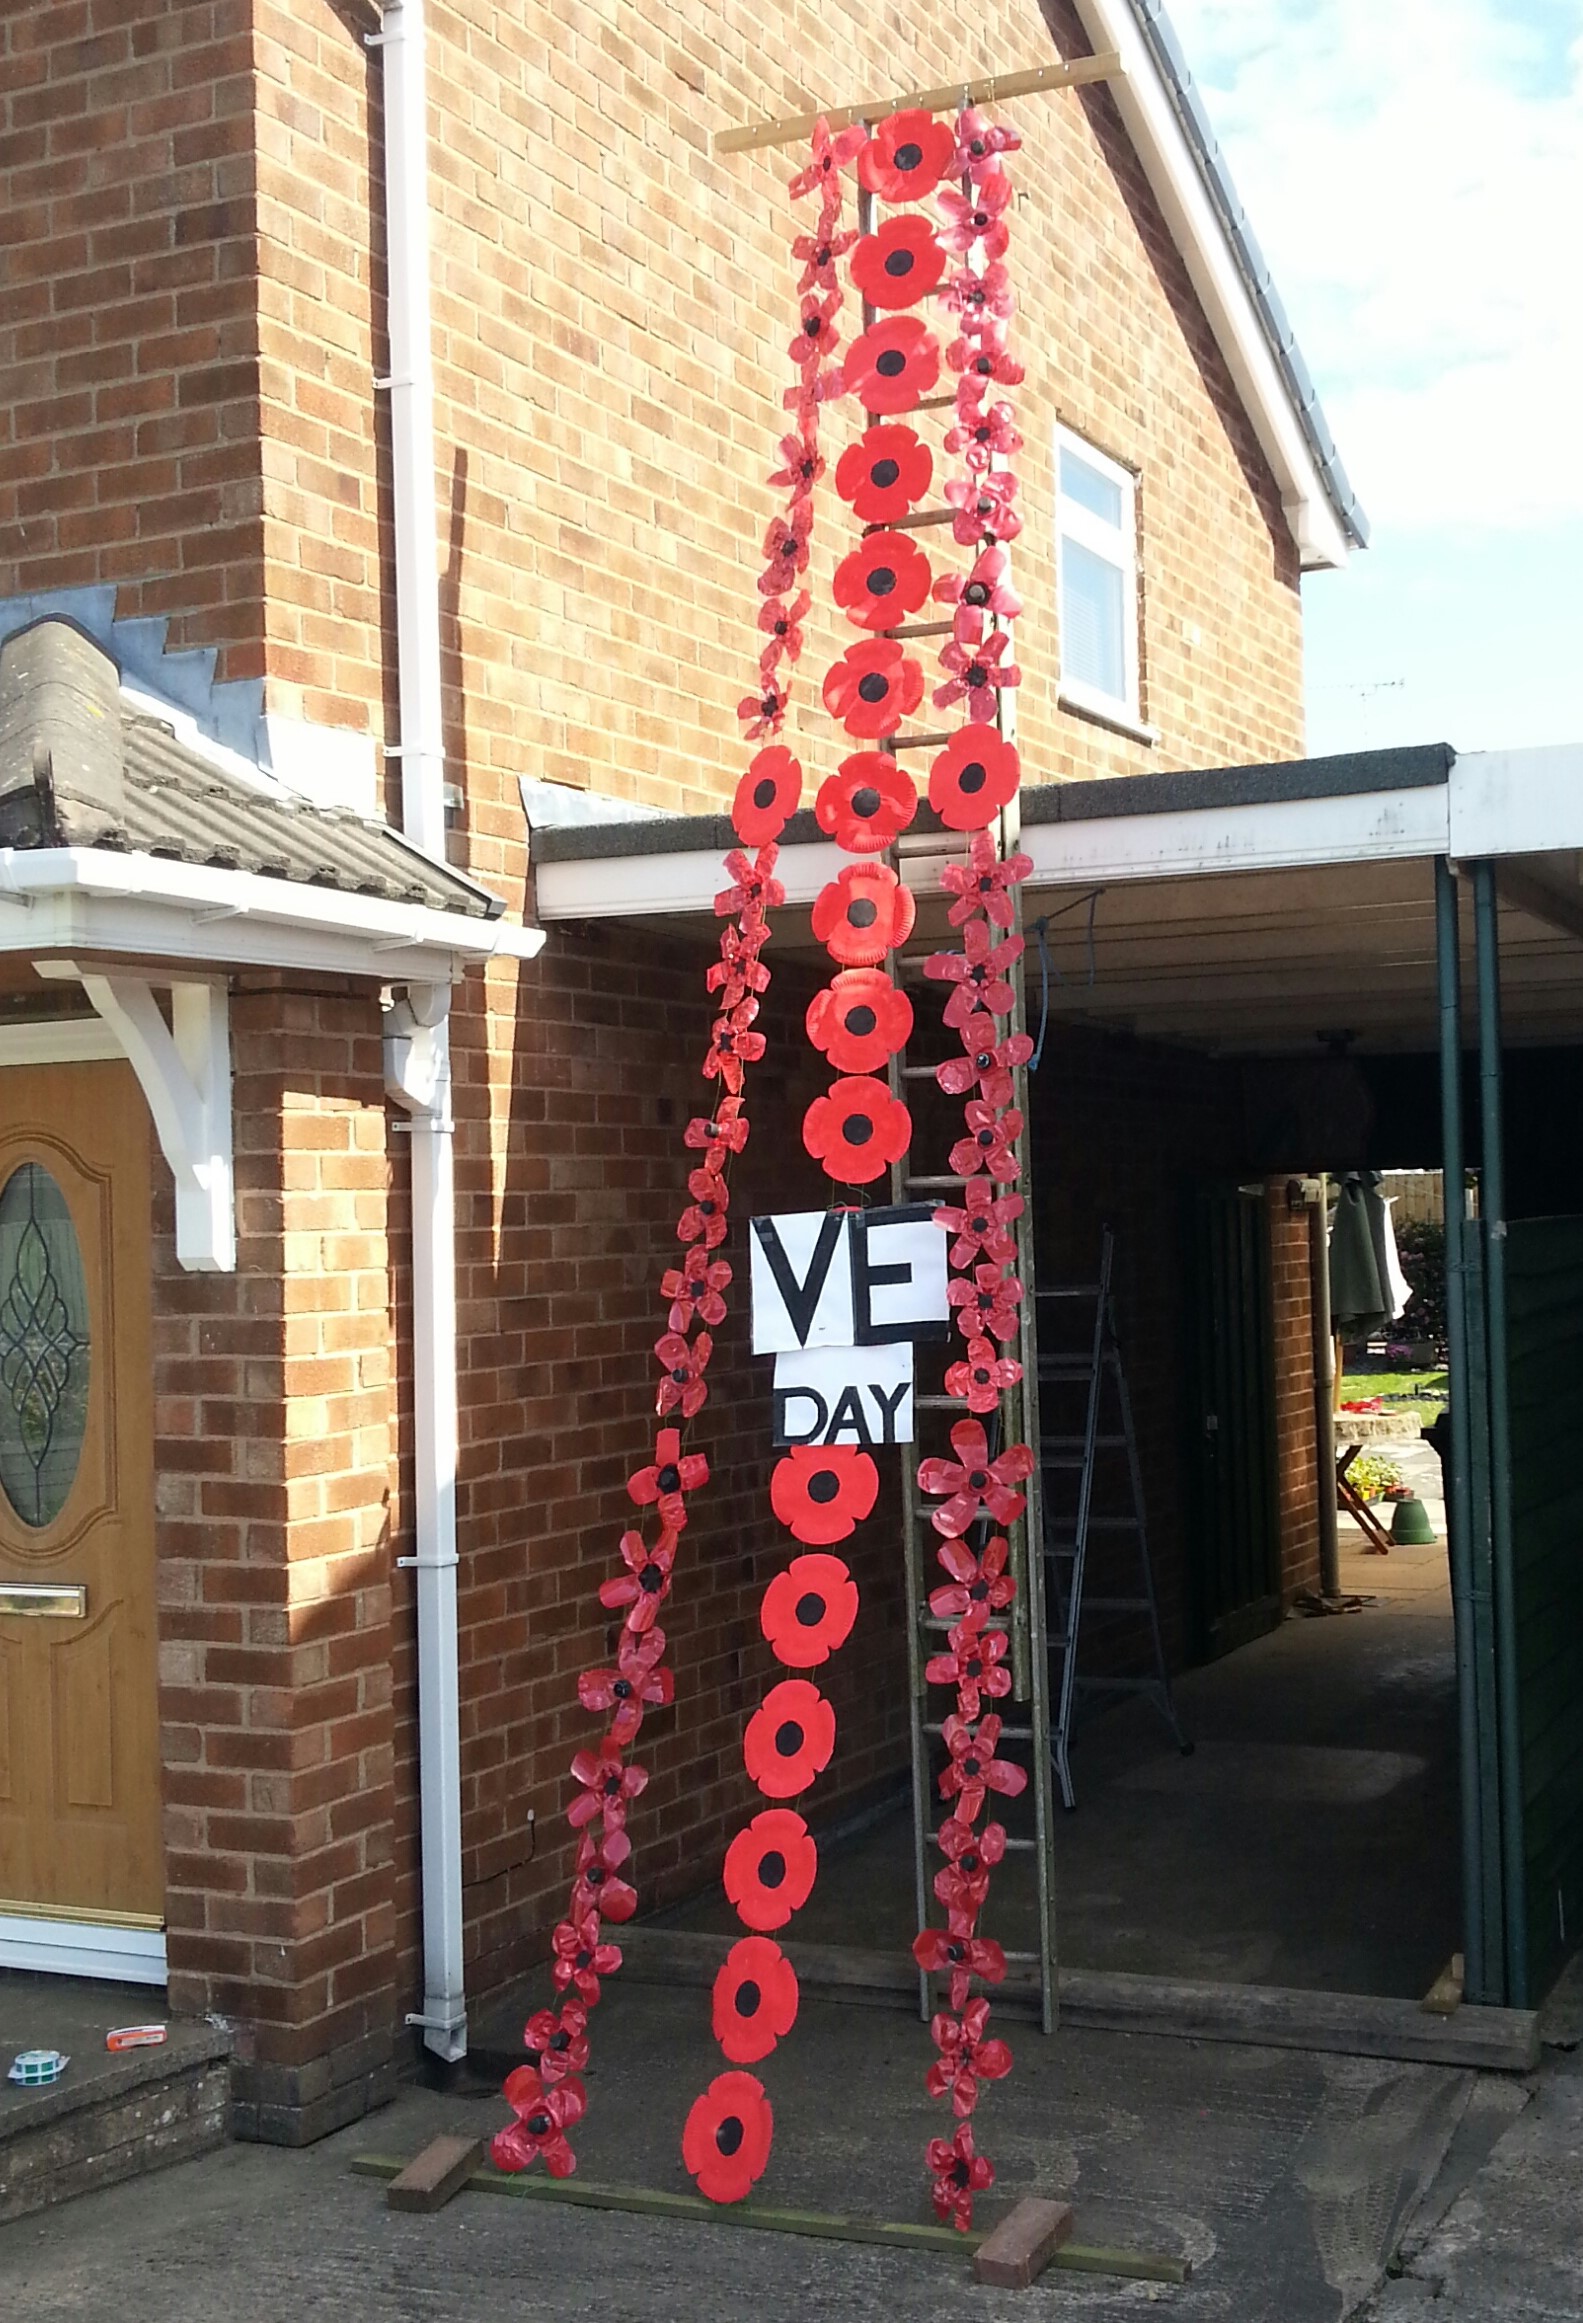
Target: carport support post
x,y
1492,1205
1459,1497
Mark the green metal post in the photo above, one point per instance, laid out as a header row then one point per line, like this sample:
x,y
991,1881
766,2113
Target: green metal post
x,y
1486,922
1459,1496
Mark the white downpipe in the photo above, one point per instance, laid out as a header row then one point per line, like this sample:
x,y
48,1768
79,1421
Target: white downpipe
x,y
420,1074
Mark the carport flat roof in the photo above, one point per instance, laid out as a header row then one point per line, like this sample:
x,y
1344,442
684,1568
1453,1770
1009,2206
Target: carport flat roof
x,y
1232,908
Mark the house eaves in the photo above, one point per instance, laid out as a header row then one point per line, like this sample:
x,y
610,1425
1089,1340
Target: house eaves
x,y
1164,117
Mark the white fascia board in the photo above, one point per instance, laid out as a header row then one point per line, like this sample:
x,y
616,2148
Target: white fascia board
x,y
1285,834
1516,802
1173,174
645,886
90,899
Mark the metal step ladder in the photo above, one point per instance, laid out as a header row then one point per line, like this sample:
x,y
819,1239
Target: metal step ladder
x,y
1095,1369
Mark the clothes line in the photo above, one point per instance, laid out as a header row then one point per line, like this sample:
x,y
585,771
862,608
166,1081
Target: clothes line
x,y
990,89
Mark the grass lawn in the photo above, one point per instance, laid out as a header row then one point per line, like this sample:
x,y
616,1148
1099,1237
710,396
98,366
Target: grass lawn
x,y
1423,1392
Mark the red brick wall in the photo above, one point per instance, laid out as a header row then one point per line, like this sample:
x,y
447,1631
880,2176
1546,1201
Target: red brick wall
x,y
273,1421
1295,1437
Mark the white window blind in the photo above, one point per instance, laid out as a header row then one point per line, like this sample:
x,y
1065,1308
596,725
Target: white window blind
x,y
1097,571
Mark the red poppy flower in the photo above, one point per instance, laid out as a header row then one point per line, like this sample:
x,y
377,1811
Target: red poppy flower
x,y
753,890
884,474
973,1770
984,357
989,1063
973,1666
892,366
859,1020
986,1304
977,1485
990,1143
983,433
598,1885
790,1738
976,673
770,1869
755,1999
579,1959
980,1585
906,156
543,2117
642,1589
984,510
959,2172
766,795
980,302
968,1850
964,1895
857,1130
980,972
818,253
900,264
822,1493
726,2143
683,1362
867,805
786,547
861,913
975,775
801,461
696,1294
726,1129
636,1683
829,154
556,2040
609,1785
662,1486
984,883
808,1610
983,1225
705,1219
966,2057
961,1958
985,589
982,1379
883,581
763,712
978,141
977,219
816,335
732,1045
781,618
873,687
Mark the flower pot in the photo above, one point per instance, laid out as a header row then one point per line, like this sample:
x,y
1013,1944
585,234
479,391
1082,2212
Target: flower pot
x,y
1410,1524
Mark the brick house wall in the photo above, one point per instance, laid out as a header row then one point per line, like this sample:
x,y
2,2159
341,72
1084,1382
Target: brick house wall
x,y
1296,1441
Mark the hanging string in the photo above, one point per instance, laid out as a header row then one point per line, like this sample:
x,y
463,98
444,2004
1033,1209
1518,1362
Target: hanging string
x,y
1048,965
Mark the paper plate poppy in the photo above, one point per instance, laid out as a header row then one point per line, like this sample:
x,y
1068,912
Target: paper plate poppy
x,y
857,1130
900,264
873,687
892,366
883,581
884,474
861,913
975,775
767,794
867,805
726,2143
790,1738
821,1493
808,1610
906,157
755,1999
770,1869
860,1020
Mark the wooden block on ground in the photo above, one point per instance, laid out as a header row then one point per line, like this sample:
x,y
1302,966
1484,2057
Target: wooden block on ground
x,y
1444,1996
432,2177
1023,2244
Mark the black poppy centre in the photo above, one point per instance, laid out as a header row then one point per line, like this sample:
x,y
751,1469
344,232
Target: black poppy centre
x,y
862,912
973,776
729,2135
748,1998
884,473
873,687
788,1738
881,581
811,1609
908,156
860,1022
764,793
899,264
772,1868
823,1486
857,1129
890,363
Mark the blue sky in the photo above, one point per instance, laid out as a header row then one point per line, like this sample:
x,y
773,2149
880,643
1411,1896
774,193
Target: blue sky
x,y
1414,171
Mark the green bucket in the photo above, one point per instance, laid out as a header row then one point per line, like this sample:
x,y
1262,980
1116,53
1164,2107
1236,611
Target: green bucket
x,y
1410,1524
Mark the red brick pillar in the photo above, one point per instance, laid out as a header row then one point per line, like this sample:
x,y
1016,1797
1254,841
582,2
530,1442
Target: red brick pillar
x,y
1296,1447
274,1424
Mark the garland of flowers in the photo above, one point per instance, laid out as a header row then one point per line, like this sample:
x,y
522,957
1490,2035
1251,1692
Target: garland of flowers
x,y
546,2095
971,783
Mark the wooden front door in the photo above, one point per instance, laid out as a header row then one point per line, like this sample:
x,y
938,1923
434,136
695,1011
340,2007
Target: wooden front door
x,y
79,1737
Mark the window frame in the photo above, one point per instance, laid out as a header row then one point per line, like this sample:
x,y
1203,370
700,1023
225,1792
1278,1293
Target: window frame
x,y
1118,547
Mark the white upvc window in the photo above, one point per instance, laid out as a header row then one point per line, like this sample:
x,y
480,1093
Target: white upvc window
x,y
1097,574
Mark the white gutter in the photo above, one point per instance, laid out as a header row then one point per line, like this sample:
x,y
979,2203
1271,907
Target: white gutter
x,y
418,1066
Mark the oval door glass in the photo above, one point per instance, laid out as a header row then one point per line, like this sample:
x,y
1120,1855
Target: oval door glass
x,y
43,1346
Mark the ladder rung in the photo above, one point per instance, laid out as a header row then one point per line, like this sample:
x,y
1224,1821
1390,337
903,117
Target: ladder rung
x,y
1121,1686
1115,1605
1074,1443
920,628
937,1184
917,1072
1007,1733
1109,1524
1067,1290
916,522
920,741
1013,1847
938,1622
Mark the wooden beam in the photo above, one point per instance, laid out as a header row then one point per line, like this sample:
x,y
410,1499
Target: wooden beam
x,y
432,2178
1526,892
993,89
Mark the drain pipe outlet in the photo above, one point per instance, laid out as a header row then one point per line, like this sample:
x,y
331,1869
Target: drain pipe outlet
x,y
418,1057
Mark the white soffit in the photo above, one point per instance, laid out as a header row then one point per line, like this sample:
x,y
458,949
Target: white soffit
x,y
1172,171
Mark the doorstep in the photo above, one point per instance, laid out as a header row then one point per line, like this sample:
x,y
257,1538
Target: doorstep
x,y
1489,2040
108,2117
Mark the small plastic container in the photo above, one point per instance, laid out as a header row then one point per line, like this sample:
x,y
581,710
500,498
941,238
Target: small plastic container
x,y
134,2037
37,2068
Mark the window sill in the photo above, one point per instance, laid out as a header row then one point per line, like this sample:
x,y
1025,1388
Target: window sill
x,y
1084,706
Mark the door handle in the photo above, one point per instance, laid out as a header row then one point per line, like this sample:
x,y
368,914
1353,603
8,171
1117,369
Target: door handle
x,y
53,1600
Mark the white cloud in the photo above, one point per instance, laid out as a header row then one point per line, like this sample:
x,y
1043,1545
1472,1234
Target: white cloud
x,y
1414,171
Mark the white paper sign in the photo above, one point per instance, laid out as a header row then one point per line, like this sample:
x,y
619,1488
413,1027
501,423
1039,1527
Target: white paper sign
x,y
847,1278
845,1395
